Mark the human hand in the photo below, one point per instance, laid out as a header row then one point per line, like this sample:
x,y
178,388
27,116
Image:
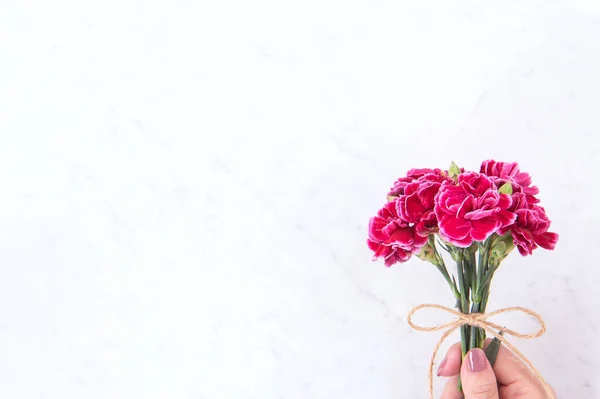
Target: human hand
x,y
508,379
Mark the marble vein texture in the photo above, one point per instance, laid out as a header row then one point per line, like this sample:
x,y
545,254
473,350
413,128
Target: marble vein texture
x,y
186,187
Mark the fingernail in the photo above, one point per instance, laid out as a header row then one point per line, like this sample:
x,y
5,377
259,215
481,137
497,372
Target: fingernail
x,y
441,367
476,361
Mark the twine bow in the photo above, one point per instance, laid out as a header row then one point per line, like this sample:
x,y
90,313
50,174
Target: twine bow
x,y
481,320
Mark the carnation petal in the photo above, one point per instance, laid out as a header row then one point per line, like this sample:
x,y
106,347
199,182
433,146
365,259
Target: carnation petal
x,y
480,214
411,209
533,190
523,179
486,167
506,218
376,226
391,260
464,243
373,245
483,228
402,237
427,196
524,250
386,212
416,173
546,240
455,228
505,201
382,252
449,198
524,240
488,200
427,225
419,241
390,228
398,256
466,206
509,169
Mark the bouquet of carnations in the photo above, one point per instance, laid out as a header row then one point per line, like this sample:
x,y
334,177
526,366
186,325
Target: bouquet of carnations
x,y
477,217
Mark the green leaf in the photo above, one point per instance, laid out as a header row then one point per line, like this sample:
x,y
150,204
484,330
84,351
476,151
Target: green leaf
x,y
443,245
454,170
492,350
506,189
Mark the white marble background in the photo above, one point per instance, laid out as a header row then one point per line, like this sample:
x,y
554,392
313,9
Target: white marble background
x,y
186,187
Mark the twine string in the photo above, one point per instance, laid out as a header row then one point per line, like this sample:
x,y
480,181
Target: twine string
x,y
481,320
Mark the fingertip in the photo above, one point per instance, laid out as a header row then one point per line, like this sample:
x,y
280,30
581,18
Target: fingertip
x,y
451,389
478,377
450,366
476,361
509,369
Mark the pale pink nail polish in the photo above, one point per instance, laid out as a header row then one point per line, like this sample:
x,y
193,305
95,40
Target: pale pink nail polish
x,y
476,361
441,367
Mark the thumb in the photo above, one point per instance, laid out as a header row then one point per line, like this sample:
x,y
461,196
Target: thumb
x,y
477,376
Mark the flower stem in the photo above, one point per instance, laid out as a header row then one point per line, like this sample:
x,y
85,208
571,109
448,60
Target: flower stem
x,y
475,331
438,262
473,271
441,266
479,287
487,273
464,300
463,304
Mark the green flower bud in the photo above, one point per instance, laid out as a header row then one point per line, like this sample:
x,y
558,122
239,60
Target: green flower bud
x,y
427,253
501,247
453,171
506,189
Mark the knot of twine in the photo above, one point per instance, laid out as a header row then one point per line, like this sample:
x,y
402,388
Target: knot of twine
x,y
481,320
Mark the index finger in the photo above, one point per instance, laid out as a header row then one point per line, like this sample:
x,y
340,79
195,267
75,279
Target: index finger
x,y
509,369
451,389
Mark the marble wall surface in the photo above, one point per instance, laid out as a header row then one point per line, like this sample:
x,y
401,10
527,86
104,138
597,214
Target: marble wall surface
x,y
186,187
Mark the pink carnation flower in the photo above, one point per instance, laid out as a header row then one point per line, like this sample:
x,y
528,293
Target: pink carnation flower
x,y
413,174
503,172
392,238
472,209
530,229
417,203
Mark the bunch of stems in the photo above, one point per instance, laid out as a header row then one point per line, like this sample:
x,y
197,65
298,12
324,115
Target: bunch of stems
x,y
475,268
